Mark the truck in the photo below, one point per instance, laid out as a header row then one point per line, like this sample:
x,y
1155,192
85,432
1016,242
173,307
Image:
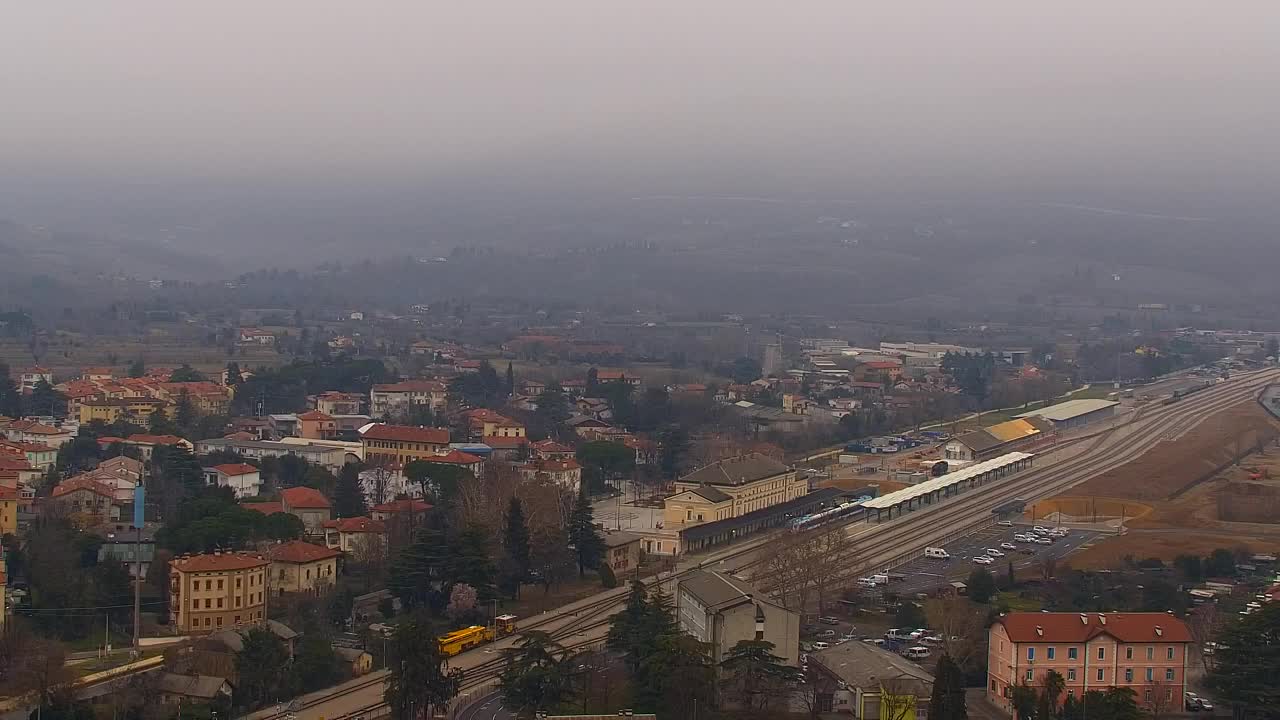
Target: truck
x,y
466,638
937,553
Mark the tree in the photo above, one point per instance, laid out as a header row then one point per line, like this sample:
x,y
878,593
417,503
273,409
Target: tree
x,y
184,413
1162,699
348,495
10,398
1190,566
899,698
1023,698
629,628
233,373
753,677
537,674
608,579
316,665
511,380
605,460
674,444
1244,671
1220,563
1054,685
593,382
583,535
947,702
418,685
982,586
551,413
419,572
462,602
137,369
186,373
471,561
261,665
44,400
677,678
549,555
515,549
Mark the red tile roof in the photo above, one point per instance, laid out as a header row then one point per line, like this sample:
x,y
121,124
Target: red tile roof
x,y
217,562
144,439
356,525
1026,627
7,493
882,364
304,498
403,505
315,415
407,433
266,508
454,457
35,428
557,465
83,482
297,551
551,446
498,442
234,469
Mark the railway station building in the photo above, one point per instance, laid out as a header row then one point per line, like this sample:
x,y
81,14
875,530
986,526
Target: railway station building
x,y
730,488
1074,413
996,440
894,504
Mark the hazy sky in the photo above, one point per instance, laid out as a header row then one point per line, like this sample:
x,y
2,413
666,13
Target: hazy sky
x,y
233,88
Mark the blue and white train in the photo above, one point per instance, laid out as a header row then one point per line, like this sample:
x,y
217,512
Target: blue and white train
x,y
808,522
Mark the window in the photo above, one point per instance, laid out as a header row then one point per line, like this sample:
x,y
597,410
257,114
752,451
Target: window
x,y
1150,652
219,622
1101,676
1128,653
1031,653
219,603
1071,674
1168,653
993,686
1146,695
1102,653
208,584
1128,675
195,604
1052,652
1168,675
208,603
308,573
219,584
1073,653
1030,675
1150,674
238,599
237,619
206,622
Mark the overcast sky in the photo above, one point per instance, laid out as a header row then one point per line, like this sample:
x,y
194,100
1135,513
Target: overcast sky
x,y
276,87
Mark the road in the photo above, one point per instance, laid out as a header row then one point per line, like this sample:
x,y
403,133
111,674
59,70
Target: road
x,y
875,545
487,707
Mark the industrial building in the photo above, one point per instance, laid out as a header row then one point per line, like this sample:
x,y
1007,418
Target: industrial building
x,y
1074,413
997,440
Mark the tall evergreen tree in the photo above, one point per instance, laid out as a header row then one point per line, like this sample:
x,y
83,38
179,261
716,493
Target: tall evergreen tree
x,y
538,674
261,665
419,685
511,380
583,535
628,628
10,398
948,702
233,373
753,677
44,399
419,572
471,561
137,369
515,547
184,413
348,495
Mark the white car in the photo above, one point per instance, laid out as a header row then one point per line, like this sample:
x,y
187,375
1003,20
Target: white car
x,y
992,552
1043,541
1008,546
1058,532
1005,523
983,560
1022,538
1040,530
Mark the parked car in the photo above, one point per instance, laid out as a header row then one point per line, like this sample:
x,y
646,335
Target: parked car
x,y
826,634
982,560
918,652
828,620
1005,523
1043,540
992,552
1021,538
821,645
1039,530
1008,546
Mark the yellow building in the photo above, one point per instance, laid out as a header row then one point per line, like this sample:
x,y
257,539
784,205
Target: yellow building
x,y
8,521
109,410
398,444
216,591
732,487
300,567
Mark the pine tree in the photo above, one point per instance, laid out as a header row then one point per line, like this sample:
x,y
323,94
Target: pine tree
x,y
948,702
348,495
44,399
184,411
583,535
515,546
472,561
137,369
419,685
511,380
627,628
10,398
233,373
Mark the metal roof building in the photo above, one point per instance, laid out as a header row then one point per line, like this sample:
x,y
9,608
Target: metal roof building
x,y
1075,413
926,493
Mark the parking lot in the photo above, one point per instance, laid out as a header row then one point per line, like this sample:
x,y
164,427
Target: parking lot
x,y
925,574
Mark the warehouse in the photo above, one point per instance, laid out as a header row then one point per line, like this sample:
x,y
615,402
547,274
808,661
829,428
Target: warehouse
x,y
996,440
1075,413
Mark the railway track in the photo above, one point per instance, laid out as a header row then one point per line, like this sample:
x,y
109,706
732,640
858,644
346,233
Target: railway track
x,y
906,534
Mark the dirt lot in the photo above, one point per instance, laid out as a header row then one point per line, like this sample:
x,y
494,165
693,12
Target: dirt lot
x,y
1186,495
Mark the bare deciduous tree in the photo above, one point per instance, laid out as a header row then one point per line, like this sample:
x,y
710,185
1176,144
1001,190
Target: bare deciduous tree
x,y
960,623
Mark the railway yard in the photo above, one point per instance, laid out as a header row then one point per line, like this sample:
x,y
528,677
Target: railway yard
x,y
1075,467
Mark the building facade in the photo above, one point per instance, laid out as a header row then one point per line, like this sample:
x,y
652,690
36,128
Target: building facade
x,y
398,399
730,488
217,591
399,444
301,567
721,610
1145,652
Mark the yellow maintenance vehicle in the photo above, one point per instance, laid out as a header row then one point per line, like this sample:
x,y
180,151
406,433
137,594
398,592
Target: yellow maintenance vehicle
x,y
468,637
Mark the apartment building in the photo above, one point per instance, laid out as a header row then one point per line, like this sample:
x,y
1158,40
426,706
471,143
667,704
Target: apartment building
x,y
301,567
1146,652
216,591
397,399
399,444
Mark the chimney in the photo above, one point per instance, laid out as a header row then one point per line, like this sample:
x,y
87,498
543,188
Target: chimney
x,y
1040,630
759,622
1159,631
1102,618
1084,619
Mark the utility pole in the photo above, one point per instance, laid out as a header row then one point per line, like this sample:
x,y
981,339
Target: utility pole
x,y
137,592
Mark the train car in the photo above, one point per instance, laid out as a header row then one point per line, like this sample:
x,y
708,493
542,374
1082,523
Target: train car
x,y
808,522
462,640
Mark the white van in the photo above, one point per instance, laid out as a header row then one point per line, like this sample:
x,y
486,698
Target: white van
x,y
880,579
821,646
919,652
937,552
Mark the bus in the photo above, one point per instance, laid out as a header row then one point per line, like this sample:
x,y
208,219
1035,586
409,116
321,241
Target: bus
x,y
468,637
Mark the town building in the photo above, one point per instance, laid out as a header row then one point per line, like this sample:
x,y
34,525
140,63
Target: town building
x,y
331,457
301,567
256,336
109,410
243,478
730,488
399,399
566,473
316,425
1145,652
146,444
411,509
721,610
308,505
387,444
871,683
126,545
337,403
37,433
38,455
622,552
9,500
177,689
996,440
218,590
86,500
356,536
471,463
483,423
29,377
1074,413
